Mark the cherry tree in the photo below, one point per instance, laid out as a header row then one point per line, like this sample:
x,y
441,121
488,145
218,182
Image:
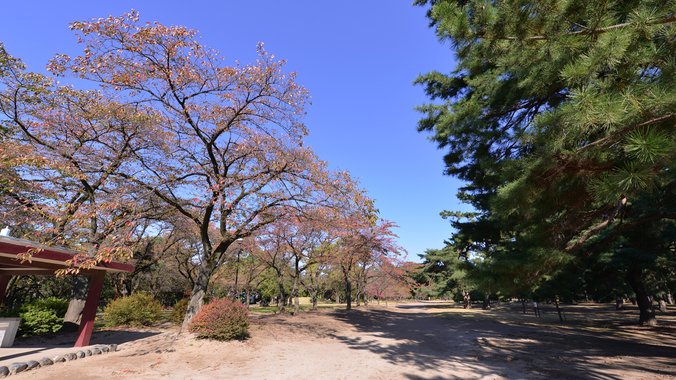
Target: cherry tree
x,y
64,149
231,151
362,243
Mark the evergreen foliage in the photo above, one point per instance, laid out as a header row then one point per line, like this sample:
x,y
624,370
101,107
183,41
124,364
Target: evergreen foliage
x,y
560,115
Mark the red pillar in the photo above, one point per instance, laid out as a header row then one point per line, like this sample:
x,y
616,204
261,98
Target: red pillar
x,y
4,281
89,312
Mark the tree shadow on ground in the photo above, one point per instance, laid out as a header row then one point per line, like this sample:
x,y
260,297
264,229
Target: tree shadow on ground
x,y
438,347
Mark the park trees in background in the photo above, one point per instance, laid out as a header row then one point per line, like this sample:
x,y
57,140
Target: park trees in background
x,y
391,279
362,242
560,117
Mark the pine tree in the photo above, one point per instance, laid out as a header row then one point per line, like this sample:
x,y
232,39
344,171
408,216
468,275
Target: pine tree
x,y
560,115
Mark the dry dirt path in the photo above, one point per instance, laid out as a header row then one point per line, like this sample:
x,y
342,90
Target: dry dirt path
x,y
378,343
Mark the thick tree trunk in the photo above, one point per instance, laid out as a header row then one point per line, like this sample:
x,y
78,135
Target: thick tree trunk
x,y
358,299
647,313
487,301
619,303
199,290
71,321
670,299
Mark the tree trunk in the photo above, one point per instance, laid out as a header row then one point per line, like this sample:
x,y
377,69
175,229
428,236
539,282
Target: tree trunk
x,y
662,305
71,321
282,297
348,295
487,301
358,299
619,303
294,295
670,299
558,310
645,306
467,300
199,290
313,294
523,303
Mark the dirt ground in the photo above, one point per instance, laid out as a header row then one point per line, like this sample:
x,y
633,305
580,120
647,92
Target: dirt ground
x,y
404,342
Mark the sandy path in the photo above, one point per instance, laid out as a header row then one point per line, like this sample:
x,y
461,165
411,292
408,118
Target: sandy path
x,y
377,343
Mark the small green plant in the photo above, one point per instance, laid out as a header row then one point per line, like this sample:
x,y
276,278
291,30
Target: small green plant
x,y
38,322
40,316
179,311
222,319
136,310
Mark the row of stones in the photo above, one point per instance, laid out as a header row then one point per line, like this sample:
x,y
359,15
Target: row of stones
x,y
20,366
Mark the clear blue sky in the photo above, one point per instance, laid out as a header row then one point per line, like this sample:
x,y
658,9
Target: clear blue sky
x,y
356,58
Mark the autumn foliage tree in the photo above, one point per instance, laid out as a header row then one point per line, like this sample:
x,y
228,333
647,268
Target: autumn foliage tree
x,y
362,243
65,149
230,148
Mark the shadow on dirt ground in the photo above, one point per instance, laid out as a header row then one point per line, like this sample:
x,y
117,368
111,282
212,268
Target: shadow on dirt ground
x,y
411,336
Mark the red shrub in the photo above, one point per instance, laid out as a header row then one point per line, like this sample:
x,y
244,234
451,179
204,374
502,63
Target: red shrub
x,y
221,319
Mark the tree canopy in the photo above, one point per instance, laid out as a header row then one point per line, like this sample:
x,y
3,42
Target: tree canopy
x,y
560,116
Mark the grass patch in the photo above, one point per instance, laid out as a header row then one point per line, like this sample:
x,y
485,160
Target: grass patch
x,y
302,307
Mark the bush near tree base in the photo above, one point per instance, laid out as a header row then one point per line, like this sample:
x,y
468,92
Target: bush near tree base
x,y
135,310
180,308
222,319
40,316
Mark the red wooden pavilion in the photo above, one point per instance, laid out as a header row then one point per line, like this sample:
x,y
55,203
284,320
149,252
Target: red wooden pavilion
x,y
48,260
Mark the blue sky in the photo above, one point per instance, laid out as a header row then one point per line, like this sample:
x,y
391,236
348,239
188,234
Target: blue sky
x,y
357,59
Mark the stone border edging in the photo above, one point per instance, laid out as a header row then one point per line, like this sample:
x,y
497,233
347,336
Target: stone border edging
x,y
32,364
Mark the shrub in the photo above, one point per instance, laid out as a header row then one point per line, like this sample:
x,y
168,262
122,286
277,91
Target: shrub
x,y
40,316
37,322
221,319
136,310
180,308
